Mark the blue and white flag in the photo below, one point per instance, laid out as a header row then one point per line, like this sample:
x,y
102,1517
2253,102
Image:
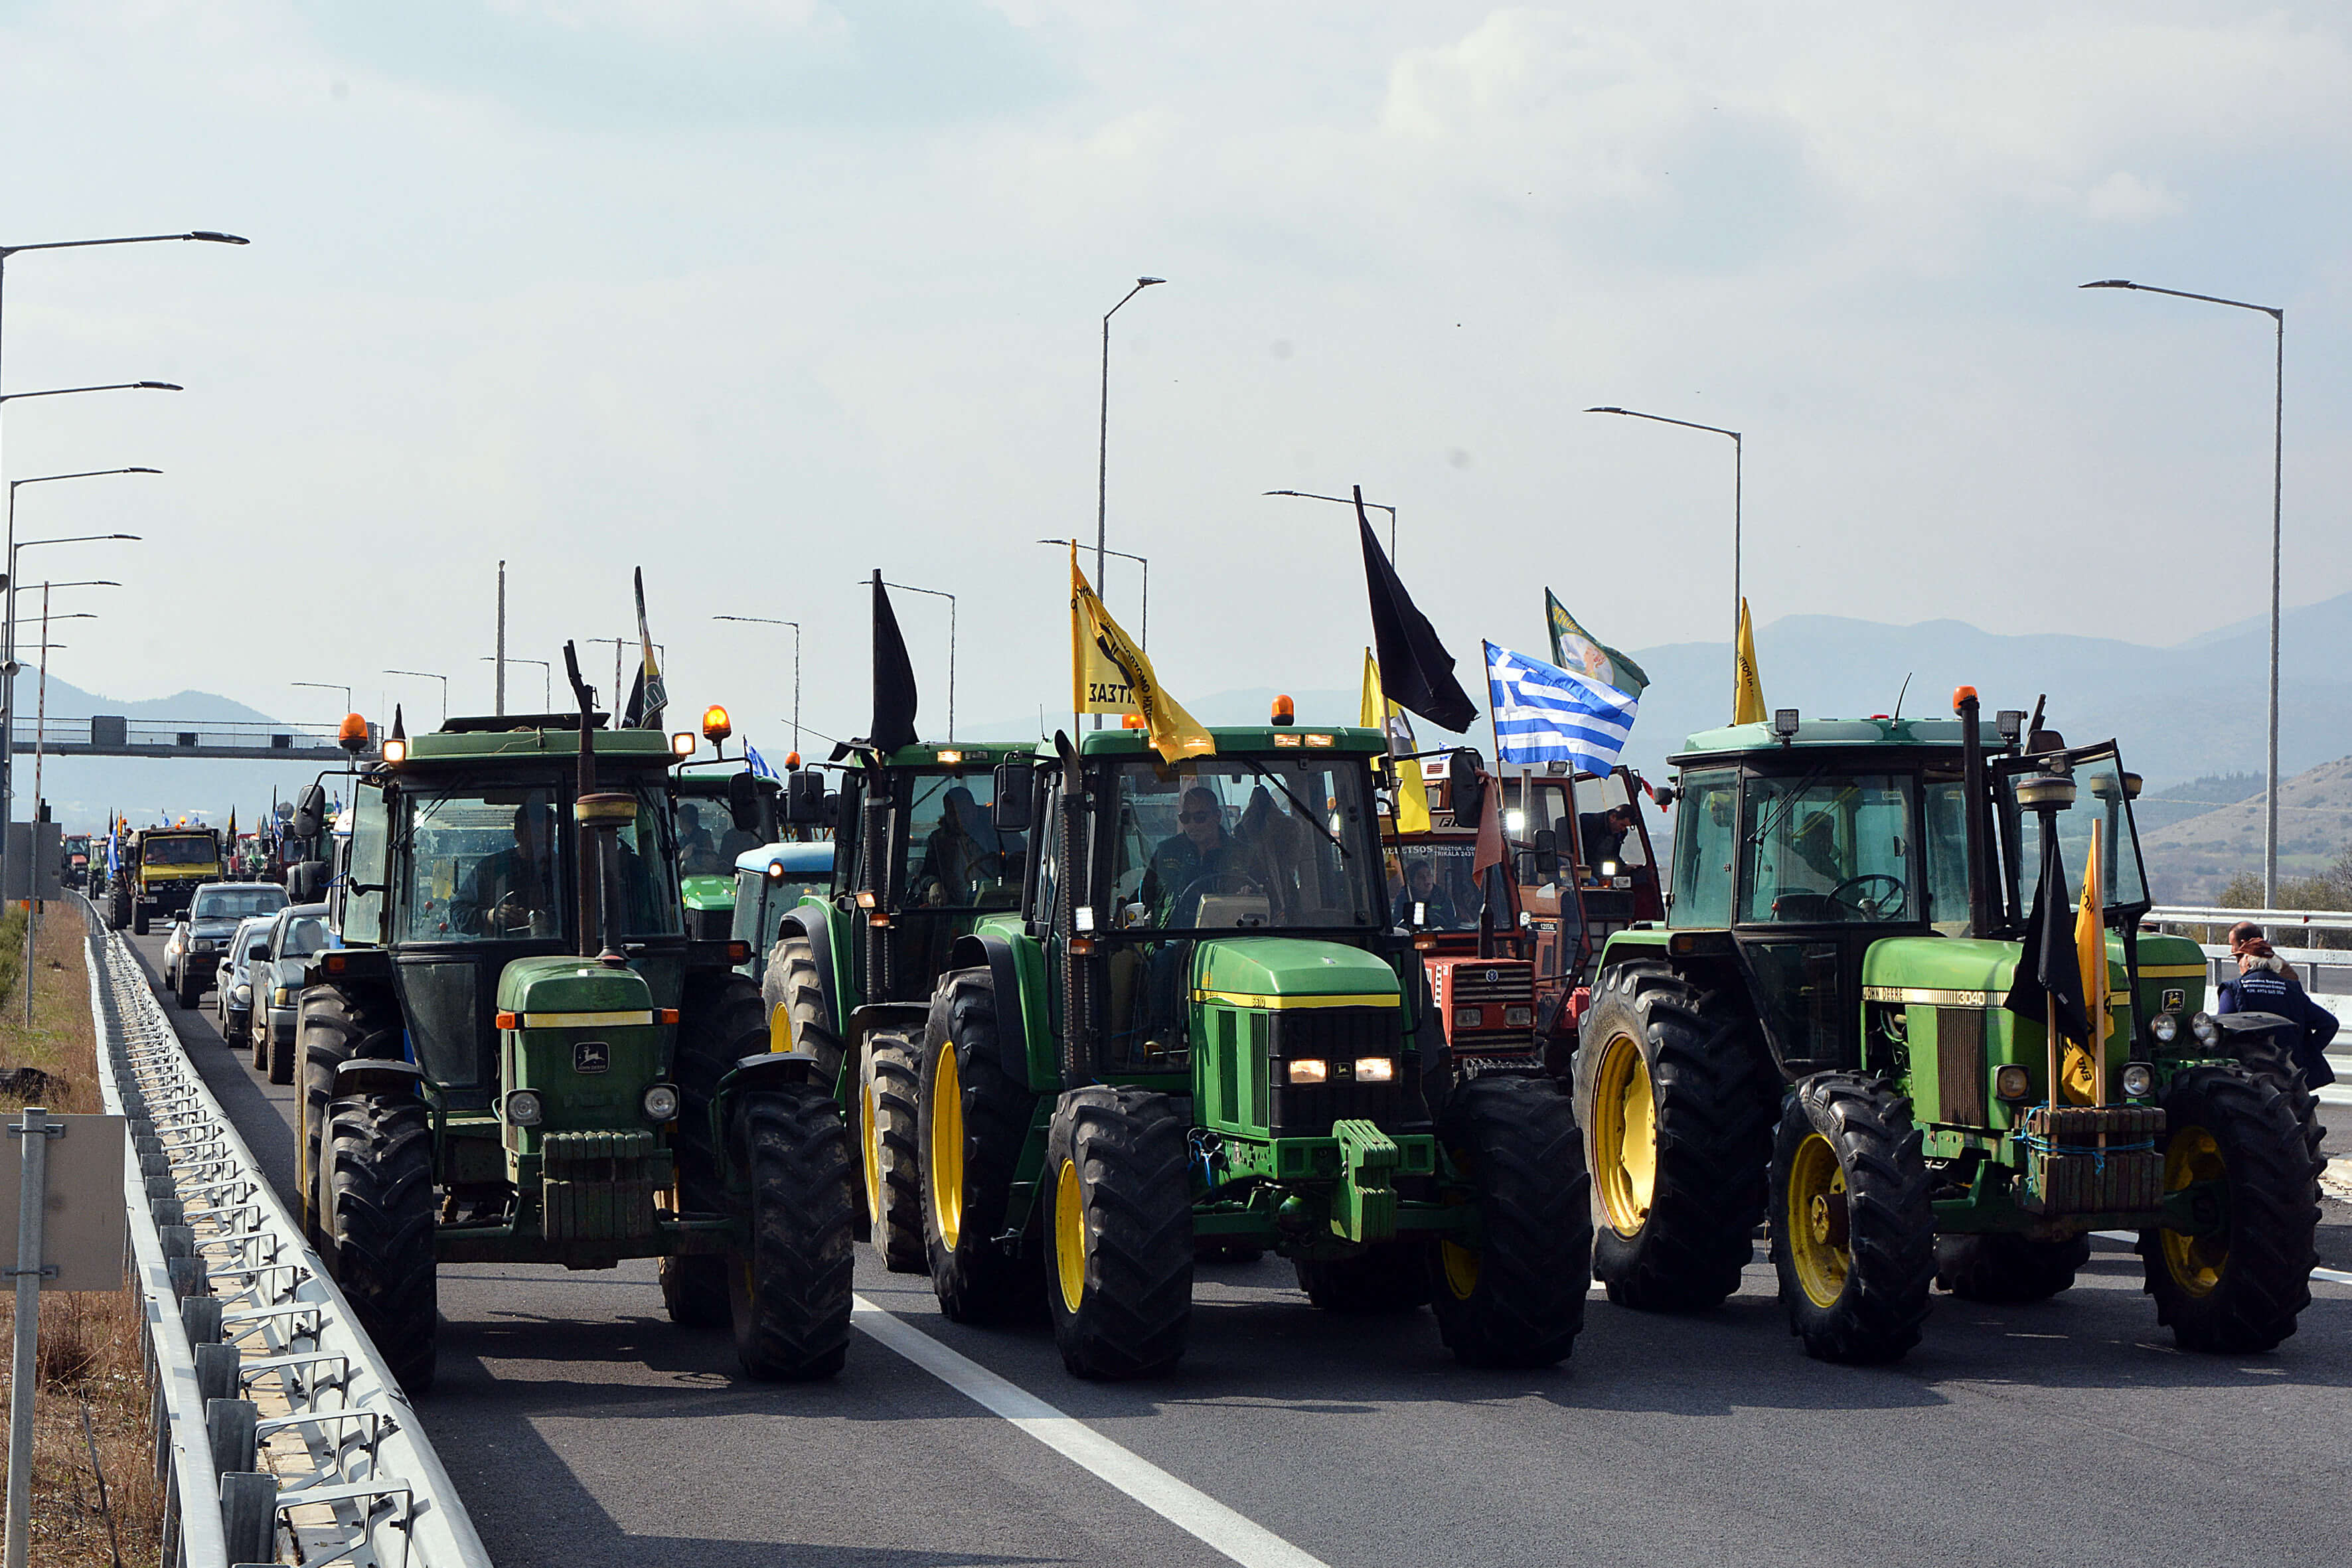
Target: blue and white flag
x,y
759,764
1547,714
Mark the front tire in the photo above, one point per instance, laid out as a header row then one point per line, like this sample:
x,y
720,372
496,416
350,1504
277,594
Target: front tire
x,y
1119,1213
2238,1290
789,1289
1673,1093
338,1024
379,1228
1999,1266
972,1120
889,1090
1516,1299
720,1023
1853,1231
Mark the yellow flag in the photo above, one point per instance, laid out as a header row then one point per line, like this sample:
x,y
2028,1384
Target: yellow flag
x,y
1108,674
2080,1074
1748,687
1412,793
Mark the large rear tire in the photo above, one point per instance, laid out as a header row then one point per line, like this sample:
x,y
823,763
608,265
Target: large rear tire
x,y
379,1227
1676,1099
794,986
2003,1267
890,1089
971,1122
789,1291
337,1023
1853,1231
720,1021
2239,1290
1119,1211
1517,1298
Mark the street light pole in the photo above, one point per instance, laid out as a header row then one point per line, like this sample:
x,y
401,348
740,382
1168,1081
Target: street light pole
x,y
8,667
1102,452
1348,500
328,686
428,675
766,621
2277,313
1143,634
1739,462
950,598
546,678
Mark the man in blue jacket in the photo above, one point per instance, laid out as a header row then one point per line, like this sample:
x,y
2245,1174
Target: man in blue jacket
x,y
2260,989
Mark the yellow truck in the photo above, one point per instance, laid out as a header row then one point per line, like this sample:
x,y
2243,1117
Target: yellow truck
x,y
161,872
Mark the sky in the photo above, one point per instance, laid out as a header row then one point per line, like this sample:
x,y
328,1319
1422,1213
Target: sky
x,y
764,295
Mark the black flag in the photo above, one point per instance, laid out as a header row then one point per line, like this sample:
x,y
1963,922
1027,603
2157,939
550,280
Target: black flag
x,y
398,731
2047,970
893,678
1416,672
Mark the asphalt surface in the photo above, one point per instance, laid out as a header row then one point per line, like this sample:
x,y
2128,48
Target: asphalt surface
x,y
583,1429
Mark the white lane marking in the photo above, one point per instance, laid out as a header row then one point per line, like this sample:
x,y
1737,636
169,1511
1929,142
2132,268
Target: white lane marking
x,y
2131,1238
1185,1507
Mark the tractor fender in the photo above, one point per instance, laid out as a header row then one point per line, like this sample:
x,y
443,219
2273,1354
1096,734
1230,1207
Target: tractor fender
x,y
816,922
1024,1044
751,1075
864,1021
373,1074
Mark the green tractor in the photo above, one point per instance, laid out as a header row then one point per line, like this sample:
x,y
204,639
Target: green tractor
x,y
1198,1024
519,1056
917,860
1819,1036
722,808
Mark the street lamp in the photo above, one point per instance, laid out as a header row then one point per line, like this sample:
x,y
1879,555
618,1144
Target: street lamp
x,y
2277,313
546,677
328,686
1738,457
1350,500
1144,632
40,737
942,593
1102,454
428,675
765,621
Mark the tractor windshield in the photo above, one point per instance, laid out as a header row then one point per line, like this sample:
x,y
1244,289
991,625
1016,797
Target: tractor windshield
x,y
178,851
1828,849
495,865
1431,885
957,858
2101,803
708,839
1228,841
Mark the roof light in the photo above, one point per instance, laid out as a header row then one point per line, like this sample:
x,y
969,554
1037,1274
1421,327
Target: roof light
x,y
716,725
1784,722
1962,694
352,735
1130,720
775,870
792,759
949,758
1285,711
396,752
1318,740
682,744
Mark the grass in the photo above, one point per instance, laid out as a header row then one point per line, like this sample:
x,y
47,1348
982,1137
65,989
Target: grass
x,y
91,1414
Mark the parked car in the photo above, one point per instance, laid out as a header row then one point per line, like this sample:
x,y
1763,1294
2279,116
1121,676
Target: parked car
x,y
294,936
233,979
192,952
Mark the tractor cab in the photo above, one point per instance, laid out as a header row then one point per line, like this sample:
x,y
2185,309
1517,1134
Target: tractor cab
x,y
720,811
769,881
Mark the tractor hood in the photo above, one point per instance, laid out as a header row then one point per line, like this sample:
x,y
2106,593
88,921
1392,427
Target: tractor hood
x,y
1267,971
558,988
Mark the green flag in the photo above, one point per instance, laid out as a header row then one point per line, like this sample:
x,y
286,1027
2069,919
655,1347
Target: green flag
x,y
1573,648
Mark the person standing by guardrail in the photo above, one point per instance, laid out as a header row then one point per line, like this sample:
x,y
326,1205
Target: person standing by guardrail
x,y
2260,988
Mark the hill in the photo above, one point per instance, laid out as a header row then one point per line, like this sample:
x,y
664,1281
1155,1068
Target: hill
x,y
2191,860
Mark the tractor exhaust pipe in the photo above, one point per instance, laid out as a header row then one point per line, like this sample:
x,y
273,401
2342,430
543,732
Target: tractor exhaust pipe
x,y
1978,831
598,818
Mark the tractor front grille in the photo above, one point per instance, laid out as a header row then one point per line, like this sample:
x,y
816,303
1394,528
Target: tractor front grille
x,y
1338,1036
2094,1158
596,1186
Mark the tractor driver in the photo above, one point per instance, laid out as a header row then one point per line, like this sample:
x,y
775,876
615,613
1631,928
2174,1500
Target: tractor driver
x,y
698,852
512,891
1421,886
1199,851
1603,835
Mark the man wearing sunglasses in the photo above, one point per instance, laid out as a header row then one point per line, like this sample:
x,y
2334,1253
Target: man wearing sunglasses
x,y
1200,850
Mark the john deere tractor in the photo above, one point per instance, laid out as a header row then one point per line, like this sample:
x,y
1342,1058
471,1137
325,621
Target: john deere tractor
x,y
918,860
519,1056
1821,1036
1197,1025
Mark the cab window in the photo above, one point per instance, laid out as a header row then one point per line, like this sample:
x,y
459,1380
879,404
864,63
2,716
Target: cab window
x,y
1828,849
1706,828
957,858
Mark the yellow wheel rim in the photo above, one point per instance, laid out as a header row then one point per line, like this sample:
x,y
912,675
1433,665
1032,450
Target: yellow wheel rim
x,y
870,1131
1625,1135
946,1174
2195,1262
1461,1265
1069,1237
1815,1223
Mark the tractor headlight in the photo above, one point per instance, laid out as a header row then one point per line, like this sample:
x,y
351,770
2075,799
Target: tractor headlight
x,y
1311,1069
1519,1017
2139,1080
661,1103
2011,1082
1468,1017
1375,1070
2207,1029
2166,1027
524,1108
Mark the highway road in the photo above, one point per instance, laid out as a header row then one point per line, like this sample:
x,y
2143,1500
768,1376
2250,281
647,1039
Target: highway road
x,y
584,1430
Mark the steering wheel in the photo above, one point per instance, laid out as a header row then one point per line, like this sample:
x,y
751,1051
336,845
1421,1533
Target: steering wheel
x,y
1869,906
1213,885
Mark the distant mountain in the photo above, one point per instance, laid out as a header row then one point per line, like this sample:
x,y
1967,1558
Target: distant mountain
x,y
82,790
2193,860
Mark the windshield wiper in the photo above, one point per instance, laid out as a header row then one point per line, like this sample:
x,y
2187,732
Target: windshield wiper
x,y
1305,815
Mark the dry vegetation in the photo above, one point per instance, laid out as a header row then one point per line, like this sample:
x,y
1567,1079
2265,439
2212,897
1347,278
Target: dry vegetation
x,y
92,1411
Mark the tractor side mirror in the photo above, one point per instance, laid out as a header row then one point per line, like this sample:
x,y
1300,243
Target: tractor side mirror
x,y
1665,797
1465,787
743,801
1017,796
1546,857
311,811
804,798
302,880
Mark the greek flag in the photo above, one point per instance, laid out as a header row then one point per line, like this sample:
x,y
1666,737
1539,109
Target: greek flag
x,y
759,764
1545,714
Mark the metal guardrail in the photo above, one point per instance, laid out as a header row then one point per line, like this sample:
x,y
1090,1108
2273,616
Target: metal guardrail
x,y
256,1359
2277,924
